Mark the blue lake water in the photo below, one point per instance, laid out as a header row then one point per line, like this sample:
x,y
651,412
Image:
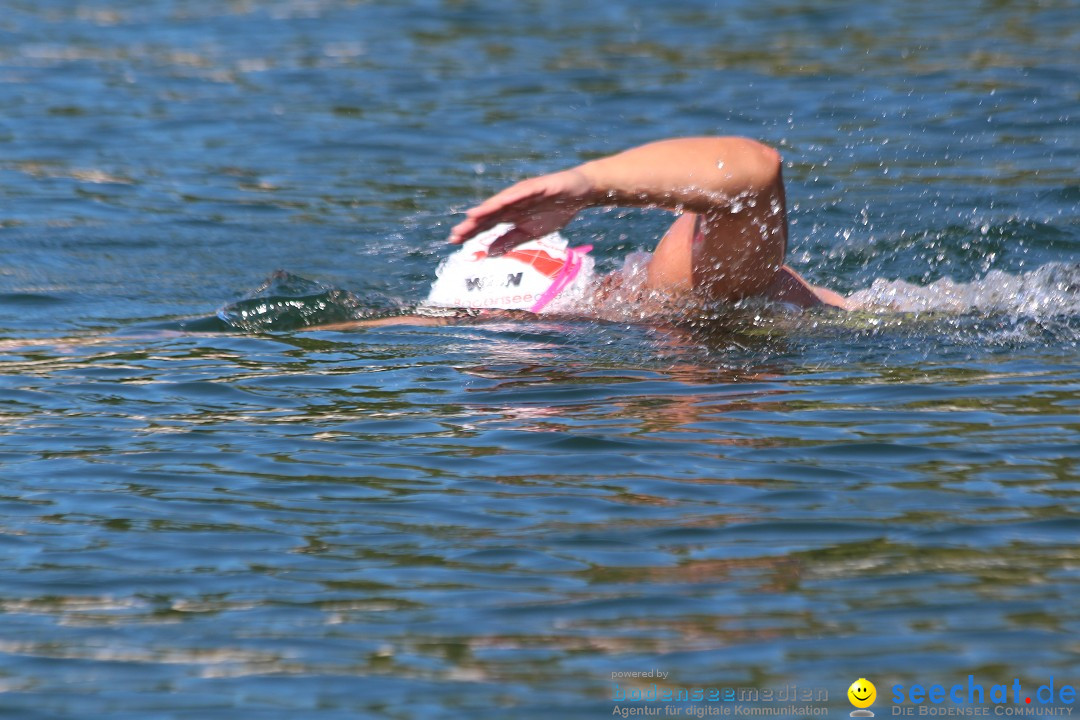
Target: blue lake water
x,y
205,520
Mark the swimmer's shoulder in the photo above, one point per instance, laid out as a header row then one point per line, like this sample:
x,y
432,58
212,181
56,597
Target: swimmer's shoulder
x,y
790,287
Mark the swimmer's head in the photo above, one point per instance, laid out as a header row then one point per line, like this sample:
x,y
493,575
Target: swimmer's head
x,y
525,276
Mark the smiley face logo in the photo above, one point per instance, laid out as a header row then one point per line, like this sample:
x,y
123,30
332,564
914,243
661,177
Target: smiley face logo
x,y
862,693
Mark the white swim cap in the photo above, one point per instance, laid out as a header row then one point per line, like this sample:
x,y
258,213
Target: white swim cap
x,y
528,277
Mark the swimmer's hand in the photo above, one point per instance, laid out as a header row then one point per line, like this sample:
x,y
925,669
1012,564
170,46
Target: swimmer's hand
x,y
536,207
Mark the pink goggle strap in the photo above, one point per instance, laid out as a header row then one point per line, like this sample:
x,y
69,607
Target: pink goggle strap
x,y
566,275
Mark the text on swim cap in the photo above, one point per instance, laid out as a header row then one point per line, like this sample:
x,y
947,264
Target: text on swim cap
x,y
477,283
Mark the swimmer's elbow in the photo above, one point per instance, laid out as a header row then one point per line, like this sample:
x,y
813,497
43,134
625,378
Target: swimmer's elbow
x,y
742,165
762,166
772,161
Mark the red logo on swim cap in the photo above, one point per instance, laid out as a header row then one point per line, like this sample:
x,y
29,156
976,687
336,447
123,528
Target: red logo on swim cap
x,y
539,259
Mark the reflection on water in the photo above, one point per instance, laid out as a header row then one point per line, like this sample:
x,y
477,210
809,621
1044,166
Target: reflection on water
x,y
350,505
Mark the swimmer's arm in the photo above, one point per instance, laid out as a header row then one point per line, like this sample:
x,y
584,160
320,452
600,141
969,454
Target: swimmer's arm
x,y
732,184
426,320
730,189
790,287
699,175
704,175
380,322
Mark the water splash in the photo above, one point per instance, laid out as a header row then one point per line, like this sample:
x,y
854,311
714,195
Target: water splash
x,y
1048,291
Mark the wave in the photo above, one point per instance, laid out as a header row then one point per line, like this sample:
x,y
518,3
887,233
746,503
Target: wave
x,y
1048,293
1051,290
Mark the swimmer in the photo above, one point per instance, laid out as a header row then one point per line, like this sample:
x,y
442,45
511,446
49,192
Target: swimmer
x,y
727,244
